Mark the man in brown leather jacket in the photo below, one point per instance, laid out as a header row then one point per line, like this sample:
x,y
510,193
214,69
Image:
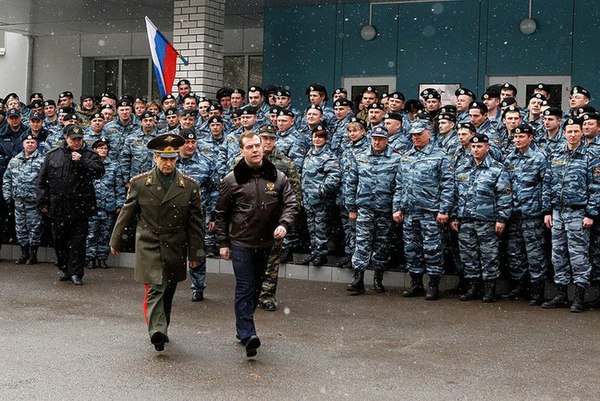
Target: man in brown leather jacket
x,y
256,206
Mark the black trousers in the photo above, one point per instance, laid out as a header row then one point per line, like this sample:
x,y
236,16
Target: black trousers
x,y
69,244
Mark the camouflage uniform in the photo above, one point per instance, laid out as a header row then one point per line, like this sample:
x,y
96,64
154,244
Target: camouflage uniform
x,y
110,196
116,134
20,184
571,192
449,142
369,192
424,188
293,145
339,139
204,172
483,197
320,181
135,158
89,136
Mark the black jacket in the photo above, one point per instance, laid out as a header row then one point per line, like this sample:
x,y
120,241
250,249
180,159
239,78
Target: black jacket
x,y
66,187
252,203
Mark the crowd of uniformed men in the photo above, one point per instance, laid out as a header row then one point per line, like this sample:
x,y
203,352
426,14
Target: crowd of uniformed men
x,y
472,188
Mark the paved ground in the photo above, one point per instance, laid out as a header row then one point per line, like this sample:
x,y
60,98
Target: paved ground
x,y
62,342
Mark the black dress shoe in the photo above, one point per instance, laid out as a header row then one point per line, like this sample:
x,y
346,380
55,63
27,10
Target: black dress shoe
x,y
63,277
158,339
76,280
252,343
197,296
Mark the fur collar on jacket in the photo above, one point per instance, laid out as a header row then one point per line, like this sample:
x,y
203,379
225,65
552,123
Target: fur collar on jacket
x,y
243,173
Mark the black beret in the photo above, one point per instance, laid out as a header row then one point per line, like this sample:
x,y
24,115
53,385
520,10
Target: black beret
x,y
216,107
249,110
449,108
413,104
167,97
342,103
397,95
478,105
215,119
65,94
274,109
447,116
224,92
37,116
393,116
574,121
100,142
507,102
524,129
479,138
467,125
376,105
430,93
109,95
256,89
553,111
286,112
188,113
188,133
313,107
172,111
183,82
509,86
96,115
580,89
49,103
240,91
464,91
148,114
511,108
359,121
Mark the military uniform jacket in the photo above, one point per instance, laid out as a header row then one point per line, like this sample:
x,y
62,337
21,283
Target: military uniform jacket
x,y
170,227
21,177
526,171
482,191
320,176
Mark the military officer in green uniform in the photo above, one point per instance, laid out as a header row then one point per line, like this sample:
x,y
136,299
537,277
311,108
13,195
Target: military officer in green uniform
x,y
169,233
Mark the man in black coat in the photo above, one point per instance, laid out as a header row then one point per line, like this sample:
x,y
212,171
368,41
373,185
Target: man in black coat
x,y
66,193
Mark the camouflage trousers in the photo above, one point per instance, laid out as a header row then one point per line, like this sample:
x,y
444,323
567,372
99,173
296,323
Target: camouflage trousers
x,y
28,223
209,236
269,284
479,244
570,248
423,243
98,238
318,219
525,248
349,232
595,252
373,230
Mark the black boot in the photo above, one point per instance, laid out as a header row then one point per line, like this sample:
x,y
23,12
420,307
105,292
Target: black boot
x,y
306,261
416,286
516,292
560,300
433,291
471,290
378,281
319,260
92,264
32,260
24,255
358,284
286,256
577,305
536,293
489,291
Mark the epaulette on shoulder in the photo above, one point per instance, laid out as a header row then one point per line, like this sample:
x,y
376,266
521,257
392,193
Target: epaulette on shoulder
x,y
140,176
189,178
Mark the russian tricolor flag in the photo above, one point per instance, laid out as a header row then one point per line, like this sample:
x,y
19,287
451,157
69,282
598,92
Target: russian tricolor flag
x,y
164,58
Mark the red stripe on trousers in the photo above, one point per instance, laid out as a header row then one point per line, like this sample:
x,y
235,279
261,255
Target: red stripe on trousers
x,y
145,304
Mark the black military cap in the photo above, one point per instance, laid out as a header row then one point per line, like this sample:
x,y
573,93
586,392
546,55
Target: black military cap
x,y
140,100
479,138
465,91
191,95
109,95
240,91
49,103
370,89
148,114
286,112
267,131
11,95
256,89
274,109
574,121
107,107
70,116
467,125
376,105
449,108
553,111
124,102
29,137
37,116
172,111
543,87
580,89
313,107
188,133
66,110
36,104
215,119
524,129
36,95
96,115
316,87
538,96
509,86
214,107
359,121
183,82
507,102
379,132
272,89
397,95
319,127
284,92
393,116
511,108
342,103
341,90
591,116
100,142
204,99
585,109
188,113
65,94
86,96
73,131
236,114
478,105
224,92
383,96
167,97
447,116
166,145
413,104
491,93
430,93
249,110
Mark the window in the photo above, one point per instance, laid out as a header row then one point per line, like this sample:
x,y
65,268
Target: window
x,y
132,76
242,71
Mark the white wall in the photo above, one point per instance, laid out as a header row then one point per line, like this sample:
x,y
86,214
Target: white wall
x,y
14,66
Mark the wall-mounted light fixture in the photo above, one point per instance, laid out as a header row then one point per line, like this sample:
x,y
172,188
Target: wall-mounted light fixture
x,y
368,32
528,25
